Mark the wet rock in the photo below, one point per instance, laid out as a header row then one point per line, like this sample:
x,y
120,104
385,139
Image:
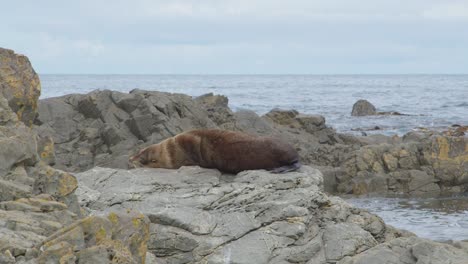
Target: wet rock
x,y
363,108
19,84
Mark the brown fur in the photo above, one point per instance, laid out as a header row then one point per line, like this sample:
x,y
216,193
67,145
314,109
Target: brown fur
x,y
227,151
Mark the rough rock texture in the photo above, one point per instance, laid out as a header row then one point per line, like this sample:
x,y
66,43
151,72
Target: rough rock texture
x,y
117,238
19,84
103,128
363,108
427,164
38,202
410,250
202,216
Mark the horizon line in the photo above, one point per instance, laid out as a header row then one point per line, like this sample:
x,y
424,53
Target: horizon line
x,y
238,74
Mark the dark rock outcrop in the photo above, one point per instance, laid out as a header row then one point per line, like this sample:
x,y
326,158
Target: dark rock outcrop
x,y
363,108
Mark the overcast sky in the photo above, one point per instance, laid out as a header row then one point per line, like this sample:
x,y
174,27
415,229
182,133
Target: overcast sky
x,y
239,36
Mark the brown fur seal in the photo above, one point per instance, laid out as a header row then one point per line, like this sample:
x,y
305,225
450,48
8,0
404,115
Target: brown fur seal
x,y
227,151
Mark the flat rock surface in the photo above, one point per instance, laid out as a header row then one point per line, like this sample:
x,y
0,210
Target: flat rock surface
x,y
202,216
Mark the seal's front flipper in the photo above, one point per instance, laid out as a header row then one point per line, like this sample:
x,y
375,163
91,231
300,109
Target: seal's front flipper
x,y
286,168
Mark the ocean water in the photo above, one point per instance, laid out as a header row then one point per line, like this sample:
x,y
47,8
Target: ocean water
x,y
432,101
441,218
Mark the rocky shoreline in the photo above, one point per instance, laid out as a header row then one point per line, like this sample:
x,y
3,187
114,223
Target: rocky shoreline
x,y
66,195
103,128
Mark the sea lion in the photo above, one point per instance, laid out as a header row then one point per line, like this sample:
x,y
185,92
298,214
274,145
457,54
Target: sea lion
x,y
227,151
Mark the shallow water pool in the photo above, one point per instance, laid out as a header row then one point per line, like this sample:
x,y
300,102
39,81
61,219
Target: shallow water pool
x,y
441,218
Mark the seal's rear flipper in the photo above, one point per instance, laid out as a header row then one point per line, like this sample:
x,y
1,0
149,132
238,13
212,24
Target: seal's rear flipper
x,y
286,168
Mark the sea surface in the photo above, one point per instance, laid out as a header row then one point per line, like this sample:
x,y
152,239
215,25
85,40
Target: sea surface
x,y
441,218
433,101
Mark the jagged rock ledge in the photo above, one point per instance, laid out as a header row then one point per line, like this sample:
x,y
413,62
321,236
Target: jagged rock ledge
x,y
202,216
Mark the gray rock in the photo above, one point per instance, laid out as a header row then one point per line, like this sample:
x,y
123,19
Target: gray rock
x,y
345,239
95,254
410,250
202,216
363,108
105,127
429,166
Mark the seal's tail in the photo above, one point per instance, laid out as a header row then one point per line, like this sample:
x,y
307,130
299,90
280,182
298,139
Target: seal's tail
x,y
287,168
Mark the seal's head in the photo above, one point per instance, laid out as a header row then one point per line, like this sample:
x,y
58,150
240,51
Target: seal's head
x,y
152,157
140,159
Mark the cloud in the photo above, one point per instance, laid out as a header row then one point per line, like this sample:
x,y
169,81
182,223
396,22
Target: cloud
x,y
239,36
88,47
448,11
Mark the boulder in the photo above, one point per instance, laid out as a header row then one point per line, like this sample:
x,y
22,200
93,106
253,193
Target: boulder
x,y
449,158
202,216
363,108
19,84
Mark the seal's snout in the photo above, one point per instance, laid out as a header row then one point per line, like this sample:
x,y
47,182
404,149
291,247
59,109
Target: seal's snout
x,y
133,158
137,160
